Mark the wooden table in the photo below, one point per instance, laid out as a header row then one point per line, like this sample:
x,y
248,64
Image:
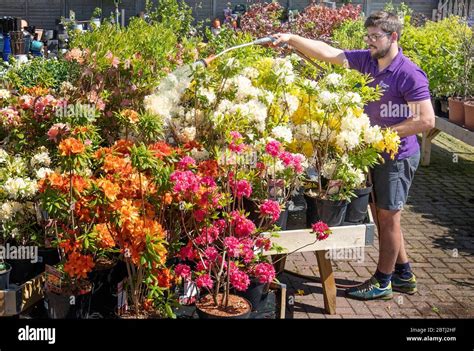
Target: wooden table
x,y
343,237
443,125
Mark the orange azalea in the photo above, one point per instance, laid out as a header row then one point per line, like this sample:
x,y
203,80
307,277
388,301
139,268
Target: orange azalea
x,y
167,198
123,146
78,265
34,91
131,115
161,149
79,183
111,190
71,146
104,237
164,278
209,168
114,163
127,210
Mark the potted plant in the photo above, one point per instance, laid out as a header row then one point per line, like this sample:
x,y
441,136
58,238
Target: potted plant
x,y
331,129
219,241
96,17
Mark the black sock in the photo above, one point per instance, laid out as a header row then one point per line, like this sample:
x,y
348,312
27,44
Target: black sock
x,y
403,270
382,278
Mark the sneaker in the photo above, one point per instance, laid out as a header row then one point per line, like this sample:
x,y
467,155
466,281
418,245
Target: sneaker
x,y
370,290
407,286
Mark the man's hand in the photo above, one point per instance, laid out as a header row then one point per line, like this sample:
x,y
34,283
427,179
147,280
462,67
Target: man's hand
x,y
422,119
282,38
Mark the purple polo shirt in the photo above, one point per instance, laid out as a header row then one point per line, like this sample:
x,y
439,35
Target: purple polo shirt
x,y
401,82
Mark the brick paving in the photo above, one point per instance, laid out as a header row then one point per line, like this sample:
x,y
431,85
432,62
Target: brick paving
x,y
438,225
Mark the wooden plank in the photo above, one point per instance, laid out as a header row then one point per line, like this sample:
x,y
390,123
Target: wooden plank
x,y
426,146
328,282
302,240
458,132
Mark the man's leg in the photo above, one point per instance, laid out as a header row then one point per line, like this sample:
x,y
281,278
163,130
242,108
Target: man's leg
x,y
390,240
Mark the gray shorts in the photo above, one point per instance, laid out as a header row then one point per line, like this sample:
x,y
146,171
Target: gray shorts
x,y
392,181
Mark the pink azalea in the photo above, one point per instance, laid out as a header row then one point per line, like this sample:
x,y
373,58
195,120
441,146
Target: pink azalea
x,y
186,162
26,102
242,226
239,280
57,130
270,208
202,266
321,230
264,272
263,243
183,271
185,182
186,252
242,188
211,253
204,281
232,244
273,148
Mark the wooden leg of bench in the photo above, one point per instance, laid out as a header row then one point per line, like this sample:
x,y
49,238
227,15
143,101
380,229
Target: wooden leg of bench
x,y
426,139
328,281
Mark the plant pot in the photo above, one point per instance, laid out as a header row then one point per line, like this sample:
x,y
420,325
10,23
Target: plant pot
x,y
21,271
440,107
357,209
456,111
68,306
5,277
255,293
469,114
330,212
104,292
239,308
46,256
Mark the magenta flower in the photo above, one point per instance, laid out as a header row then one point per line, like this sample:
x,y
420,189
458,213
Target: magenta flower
x,y
211,253
321,230
239,280
243,227
204,281
232,244
264,272
273,148
270,208
242,188
183,271
186,162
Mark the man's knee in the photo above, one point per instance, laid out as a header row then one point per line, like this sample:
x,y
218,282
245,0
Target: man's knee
x,y
388,218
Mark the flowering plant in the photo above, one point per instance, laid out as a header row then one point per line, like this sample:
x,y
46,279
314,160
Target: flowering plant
x,y
117,209
331,128
222,247
20,216
205,105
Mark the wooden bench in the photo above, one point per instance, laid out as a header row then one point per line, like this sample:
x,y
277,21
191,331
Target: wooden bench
x,y
343,237
443,125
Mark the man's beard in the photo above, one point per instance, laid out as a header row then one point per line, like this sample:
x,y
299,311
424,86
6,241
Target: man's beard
x,y
380,53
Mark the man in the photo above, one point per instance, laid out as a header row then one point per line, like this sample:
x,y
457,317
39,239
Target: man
x,y
406,108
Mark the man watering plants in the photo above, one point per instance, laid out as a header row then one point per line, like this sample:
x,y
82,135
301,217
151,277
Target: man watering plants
x,y
403,84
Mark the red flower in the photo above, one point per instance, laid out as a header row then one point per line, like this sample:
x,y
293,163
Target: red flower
x,y
270,208
321,230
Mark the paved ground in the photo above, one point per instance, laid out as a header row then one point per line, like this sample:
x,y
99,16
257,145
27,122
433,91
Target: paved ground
x,y
438,224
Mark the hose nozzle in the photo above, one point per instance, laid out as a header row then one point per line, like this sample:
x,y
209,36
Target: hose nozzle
x,y
268,40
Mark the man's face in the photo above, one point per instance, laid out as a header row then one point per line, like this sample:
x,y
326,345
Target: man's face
x,y
378,41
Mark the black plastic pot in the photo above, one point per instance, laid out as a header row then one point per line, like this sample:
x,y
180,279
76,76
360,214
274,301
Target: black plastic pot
x,y
5,277
67,306
357,208
21,271
330,212
46,256
104,292
255,293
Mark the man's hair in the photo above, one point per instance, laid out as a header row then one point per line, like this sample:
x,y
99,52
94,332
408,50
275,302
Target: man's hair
x,y
387,21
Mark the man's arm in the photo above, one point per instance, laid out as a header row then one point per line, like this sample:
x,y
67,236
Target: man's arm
x,y
313,48
422,120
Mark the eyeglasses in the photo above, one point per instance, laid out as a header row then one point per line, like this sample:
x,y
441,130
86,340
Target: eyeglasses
x,y
374,37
